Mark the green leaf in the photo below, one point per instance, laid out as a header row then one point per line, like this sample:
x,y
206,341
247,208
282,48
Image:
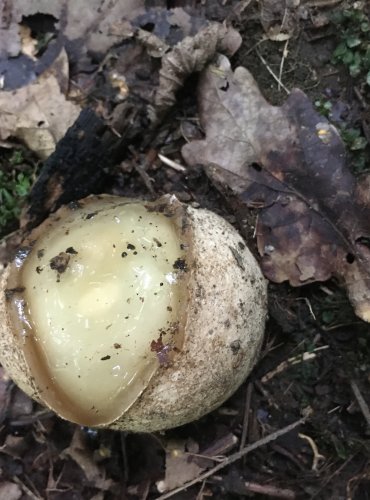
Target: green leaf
x,y
348,57
354,70
328,317
340,50
366,58
353,41
337,17
16,158
358,144
23,186
368,78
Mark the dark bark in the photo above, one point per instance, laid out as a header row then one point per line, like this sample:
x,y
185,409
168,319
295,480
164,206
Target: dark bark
x,y
76,169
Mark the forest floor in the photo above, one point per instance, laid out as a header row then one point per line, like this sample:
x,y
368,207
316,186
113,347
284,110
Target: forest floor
x,y
315,362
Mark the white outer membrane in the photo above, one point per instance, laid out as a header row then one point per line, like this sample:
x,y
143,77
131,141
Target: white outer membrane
x,y
95,322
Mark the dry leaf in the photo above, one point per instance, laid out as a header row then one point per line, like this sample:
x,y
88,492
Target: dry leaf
x,y
10,491
185,462
39,113
79,452
189,56
14,446
278,18
91,30
28,44
180,468
10,42
171,25
289,161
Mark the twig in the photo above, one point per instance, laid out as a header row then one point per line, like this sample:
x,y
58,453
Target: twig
x,y
341,325
270,490
246,415
271,72
287,454
171,163
305,299
30,419
329,478
321,3
316,455
240,7
361,402
200,492
306,356
285,53
235,457
26,489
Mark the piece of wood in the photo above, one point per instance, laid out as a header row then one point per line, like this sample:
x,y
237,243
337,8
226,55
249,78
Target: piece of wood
x,y
76,169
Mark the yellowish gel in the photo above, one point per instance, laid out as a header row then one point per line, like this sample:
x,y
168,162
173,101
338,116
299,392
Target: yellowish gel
x,y
102,296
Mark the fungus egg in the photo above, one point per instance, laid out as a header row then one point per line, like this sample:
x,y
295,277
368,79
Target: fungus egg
x,y
131,314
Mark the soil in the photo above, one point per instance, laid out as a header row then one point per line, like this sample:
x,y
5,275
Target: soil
x,y
315,360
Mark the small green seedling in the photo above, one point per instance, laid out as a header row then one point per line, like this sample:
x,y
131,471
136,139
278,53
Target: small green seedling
x,y
15,184
354,48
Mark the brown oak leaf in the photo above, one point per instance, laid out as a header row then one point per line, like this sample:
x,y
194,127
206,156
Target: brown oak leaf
x,y
290,162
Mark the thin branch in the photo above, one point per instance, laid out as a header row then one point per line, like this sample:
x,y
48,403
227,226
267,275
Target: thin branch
x,y
361,402
235,457
275,77
285,53
246,415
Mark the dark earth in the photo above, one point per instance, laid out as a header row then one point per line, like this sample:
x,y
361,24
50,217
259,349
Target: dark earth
x,y
315,362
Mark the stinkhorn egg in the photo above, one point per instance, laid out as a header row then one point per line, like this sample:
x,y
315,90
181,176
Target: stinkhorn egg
x,y
131,314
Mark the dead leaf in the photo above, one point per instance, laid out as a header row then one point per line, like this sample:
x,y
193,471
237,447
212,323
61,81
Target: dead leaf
x,y
185,462
10,491
79,452
14,446
289,161
98,496
180,468
278,18
189,56
28,44
91,30
21,405
171,25
10,43
39,114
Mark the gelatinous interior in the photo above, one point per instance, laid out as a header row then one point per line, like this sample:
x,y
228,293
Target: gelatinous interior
x,y
102,296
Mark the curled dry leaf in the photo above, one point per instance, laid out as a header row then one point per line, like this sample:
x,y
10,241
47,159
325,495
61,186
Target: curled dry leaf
x,y
39,113
191,55
290,163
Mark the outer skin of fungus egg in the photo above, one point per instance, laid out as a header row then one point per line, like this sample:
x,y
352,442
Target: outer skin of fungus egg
x,y
221,318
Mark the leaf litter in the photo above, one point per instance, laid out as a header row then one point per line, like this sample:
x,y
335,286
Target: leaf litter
x,y
290,163
39,114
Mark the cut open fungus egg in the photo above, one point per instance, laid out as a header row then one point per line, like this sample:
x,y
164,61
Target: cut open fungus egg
x,y
130,314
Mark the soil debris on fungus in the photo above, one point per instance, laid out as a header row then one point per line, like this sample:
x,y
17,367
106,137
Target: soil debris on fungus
x,y
60,262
